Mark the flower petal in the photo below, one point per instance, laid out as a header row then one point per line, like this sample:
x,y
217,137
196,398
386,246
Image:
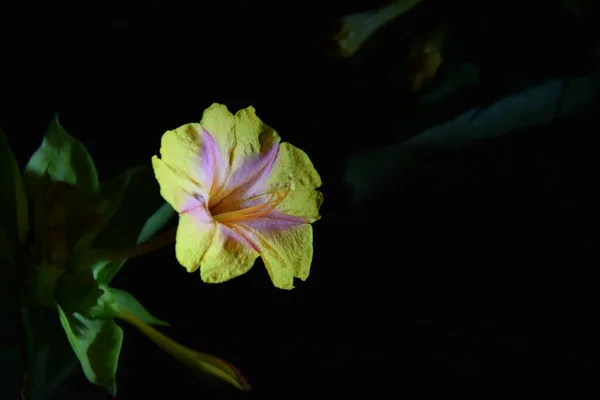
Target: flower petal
x,y
285,245
248,146
257,145
175,188
218,123
302,203
195,234
193,155
291,169
228,256
294,167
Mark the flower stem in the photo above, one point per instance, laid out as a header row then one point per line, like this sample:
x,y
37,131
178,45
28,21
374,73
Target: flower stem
x,y
202,362
154,243
361,26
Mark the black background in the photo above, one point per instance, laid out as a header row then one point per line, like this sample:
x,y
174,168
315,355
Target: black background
x,y
478,280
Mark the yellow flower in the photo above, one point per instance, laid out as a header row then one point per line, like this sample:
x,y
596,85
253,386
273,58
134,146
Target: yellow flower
x,y
240,194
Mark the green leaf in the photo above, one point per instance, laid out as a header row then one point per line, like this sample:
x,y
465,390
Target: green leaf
x,y
77,292
53,370
64,159
104,272
142,213
111,194
141,200
115,301
97,344
13,201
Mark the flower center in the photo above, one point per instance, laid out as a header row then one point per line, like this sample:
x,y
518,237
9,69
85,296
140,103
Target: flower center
x,y
256,211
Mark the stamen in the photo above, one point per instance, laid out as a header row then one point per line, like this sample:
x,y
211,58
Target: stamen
x,y
256,211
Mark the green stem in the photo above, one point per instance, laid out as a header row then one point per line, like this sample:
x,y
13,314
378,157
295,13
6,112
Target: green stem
x,y
188,357
154,243
361,26
390,12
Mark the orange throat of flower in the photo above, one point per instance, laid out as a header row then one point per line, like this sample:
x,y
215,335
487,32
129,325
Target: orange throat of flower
x,y
245,214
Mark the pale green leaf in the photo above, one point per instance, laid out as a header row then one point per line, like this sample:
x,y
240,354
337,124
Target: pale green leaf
x,y
97,344
53,370
156,222
64,159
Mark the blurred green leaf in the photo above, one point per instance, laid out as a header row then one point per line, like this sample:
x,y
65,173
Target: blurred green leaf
x,y
114,301
90,260
40,285
375,173
6,269
141,200
8,273
53,370
64,159
97,344
156,222
6,251
12,365
142,213
13,201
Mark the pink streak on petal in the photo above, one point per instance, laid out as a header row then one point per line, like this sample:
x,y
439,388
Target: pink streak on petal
x,y
191,203
200,213
267,225
257,184
247,180
274,222
214,167
240,235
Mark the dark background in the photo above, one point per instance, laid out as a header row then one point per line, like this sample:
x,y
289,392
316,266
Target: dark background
x,y
475,281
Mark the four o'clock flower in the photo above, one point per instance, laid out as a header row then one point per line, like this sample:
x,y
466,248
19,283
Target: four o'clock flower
x,y
240,193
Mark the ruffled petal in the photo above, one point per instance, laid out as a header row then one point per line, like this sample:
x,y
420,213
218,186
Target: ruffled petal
x,y
195,234
248,145
294,168
228,256
177,189
257,145
194,155
218,123
304,204
285,244
291,177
